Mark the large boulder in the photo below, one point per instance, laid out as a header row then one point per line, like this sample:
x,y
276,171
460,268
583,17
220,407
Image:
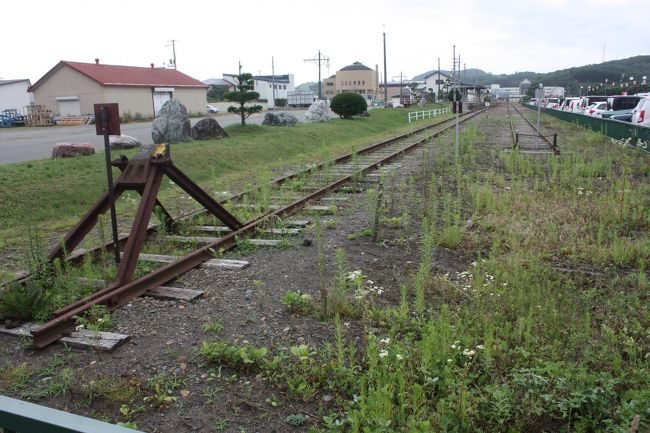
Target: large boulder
x,y
207,129
318,112
123,141
69,150
281,118
172,124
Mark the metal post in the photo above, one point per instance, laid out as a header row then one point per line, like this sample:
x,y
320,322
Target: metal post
x,y
454,102
273,78
111,192
400,89
385,76
439,79
320,95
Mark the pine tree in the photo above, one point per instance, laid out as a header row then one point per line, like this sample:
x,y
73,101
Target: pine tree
x,y
244,94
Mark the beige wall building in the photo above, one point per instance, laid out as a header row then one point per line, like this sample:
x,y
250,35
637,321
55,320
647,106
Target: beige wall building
x,y
72,89
356,78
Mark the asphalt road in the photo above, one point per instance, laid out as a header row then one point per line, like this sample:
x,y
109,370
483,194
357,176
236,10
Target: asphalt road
x,y
26,144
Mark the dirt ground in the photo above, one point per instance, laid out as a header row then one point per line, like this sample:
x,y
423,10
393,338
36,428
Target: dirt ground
x,y
165,335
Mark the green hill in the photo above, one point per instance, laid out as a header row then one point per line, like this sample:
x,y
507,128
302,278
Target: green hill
x,y
571,78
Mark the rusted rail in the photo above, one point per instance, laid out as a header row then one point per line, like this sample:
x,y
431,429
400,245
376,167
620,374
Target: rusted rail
x,y
516,134
123,291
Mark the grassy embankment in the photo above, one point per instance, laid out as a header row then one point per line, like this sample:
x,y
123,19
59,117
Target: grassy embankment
x,y
51,195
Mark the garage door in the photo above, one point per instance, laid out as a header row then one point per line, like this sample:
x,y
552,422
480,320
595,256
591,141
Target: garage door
x,y
159,98
69,107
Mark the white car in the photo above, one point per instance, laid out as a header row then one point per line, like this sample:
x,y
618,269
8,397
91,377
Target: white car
x,y
212,108
596,109
641,113
552,103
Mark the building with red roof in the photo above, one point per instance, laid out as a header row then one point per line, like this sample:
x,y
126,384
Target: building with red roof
x,y
72,89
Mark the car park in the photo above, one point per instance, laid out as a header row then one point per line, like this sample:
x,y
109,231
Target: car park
x,y
212,108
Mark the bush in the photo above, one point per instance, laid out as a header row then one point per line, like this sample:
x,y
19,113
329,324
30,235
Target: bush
x,y
280,102
348,104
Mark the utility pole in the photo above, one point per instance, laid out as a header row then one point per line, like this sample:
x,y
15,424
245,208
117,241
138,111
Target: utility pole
x,y
239,61
385,73
400,89
453,90
319,61
273,80
173,42
439,80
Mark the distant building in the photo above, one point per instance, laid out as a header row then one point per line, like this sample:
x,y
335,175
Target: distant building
x,y
356,78
221,83
14,95
437,81
504,92
524,86
553,92
264,86
72,89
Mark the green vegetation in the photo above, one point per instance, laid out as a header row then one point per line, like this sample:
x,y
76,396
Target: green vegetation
x,y
545,330
296,302
348,104
217,93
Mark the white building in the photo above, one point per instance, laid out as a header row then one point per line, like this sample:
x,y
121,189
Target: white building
x,y
14,95
504,92
436,80
553,92
264,85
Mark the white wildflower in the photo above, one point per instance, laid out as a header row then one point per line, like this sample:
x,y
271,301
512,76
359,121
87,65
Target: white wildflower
x,y
469,353
399,357
385,340
383,354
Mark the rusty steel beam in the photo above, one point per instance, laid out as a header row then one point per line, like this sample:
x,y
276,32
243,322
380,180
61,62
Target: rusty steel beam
x,y
74,237
115,296
139,228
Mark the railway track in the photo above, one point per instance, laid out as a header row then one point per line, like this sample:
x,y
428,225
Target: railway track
x,y
281,198
525,135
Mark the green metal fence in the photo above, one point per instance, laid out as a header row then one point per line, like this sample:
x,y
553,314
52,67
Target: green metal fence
x,y
637,136
17,416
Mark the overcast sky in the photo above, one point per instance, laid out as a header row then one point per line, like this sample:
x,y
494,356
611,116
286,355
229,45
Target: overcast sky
x,y
499,36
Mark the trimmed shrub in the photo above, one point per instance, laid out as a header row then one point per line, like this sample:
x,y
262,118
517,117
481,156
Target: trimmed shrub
x,y
348,104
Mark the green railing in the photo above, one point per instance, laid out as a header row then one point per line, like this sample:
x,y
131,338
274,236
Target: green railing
x,y
637,136
17,416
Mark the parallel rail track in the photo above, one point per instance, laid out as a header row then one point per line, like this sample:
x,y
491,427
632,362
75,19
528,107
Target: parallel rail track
x,y
320,181
525,135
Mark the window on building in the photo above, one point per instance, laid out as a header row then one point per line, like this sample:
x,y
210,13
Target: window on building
x,y
363,83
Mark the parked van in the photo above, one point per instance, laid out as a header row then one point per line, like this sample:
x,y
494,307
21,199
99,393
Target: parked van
x,y
567,104
620,107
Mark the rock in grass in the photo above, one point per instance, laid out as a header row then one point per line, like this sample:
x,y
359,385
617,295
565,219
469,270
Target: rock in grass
x,y
208,129
123,142
69,150
172,124
281,118
318,112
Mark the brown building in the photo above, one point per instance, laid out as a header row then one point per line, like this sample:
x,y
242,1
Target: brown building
x,y
356,78
72,89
